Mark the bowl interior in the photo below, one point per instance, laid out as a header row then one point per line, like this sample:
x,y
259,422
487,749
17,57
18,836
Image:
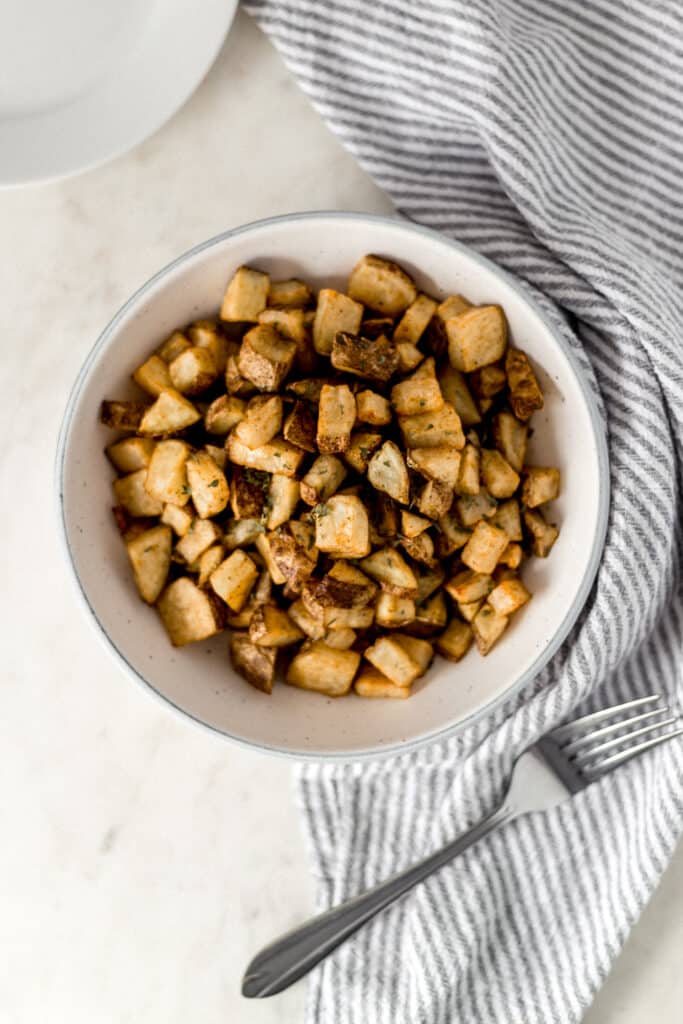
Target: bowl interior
x,y
199,679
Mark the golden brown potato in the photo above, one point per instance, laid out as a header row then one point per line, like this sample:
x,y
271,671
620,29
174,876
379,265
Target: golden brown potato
x,y
441,463
122,415
283,497
308,390
300,427
223,414
419,393
511,438
489,381
343,572
541,484
242,532
173,346
421,651
451,535
234,578
455,640
248,492
323,669
497,474
387,472
433,429
130,454
544,534
336,417
188,613
342,527
370,682
322,480
360,450
525,394
171,413
430,617
261,422
235,383
412,525
435,499
372,408
311,625
508,596
415,320
472,508
208,486
193,371
246,295
488,627
409,356
370,358
207,562
130,491
507,517
392,660
428,581
468,586
201,535
289,293
179,519
166,478
272,627
476,337
335,312
265,357
381,285
484,548
255,664
293,554
420,549
278,456
150,559
205,334
392,611
512,556
391,571
153,376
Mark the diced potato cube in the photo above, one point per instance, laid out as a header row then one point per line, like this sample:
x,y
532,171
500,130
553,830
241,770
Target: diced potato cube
x,y
166,474
418,394
293,554
508,596
525,394
323,669
393,660
414,321
322,480
272,627
455,641
289,293
469,469
435,499
193,371
511,438
179,519
507,516
420,548
421,651
173,346
541,484
372,408
489,381
370,682
484,548
336,417
455,390
441,463
153,376
234,578
387,472
381,285
497,474
340,639
283,497
261,422
248,492
392,611
223,414
122,415
201,535
235,383
245,296
544,534
205,334
170,413
264,548
468,586
242,532
300,427
451,535
391,571
360,450
409,356
512,556
209,488
469,609
277,456
131,453
476,337
433,429
307,390
335,312
431,616
488,627
265,357
150,559
131,492
207,562
313,627
255,664
377,326
348,618
189,613
370,358
342,527
289,322
474,507
412,525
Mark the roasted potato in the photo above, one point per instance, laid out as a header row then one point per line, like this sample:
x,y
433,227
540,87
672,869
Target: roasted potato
x,y
246,295
166,478
525,394
153,376
335,312
336,417
150,559
476,337
372,408
381,285
223,414
291,293
171,413
541,484
324,669
265,357
188,613
130,454
208,485
415,320
261,421
322,480
387,472
372,359
342,527
193,371
256,664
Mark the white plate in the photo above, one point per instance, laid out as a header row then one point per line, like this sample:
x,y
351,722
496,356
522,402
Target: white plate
x,y
198,680
82,81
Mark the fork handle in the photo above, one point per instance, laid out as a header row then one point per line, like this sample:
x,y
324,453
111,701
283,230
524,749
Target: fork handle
x,y
294,954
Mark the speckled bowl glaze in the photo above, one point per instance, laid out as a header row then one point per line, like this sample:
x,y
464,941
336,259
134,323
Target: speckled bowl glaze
x,y
198,681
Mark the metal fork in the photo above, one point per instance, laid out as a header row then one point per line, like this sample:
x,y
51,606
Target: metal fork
x,y
561,763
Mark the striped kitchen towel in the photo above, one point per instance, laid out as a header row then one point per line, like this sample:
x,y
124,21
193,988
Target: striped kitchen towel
x,y
549,136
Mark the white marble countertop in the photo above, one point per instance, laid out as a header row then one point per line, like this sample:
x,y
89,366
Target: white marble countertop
x,y
142,861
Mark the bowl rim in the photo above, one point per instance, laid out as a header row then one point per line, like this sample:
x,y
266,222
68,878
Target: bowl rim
x,y
396,748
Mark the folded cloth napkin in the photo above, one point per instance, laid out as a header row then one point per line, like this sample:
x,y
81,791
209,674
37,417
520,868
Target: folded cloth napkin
x,y
548,136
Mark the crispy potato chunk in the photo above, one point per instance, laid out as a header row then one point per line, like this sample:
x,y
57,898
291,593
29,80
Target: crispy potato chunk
x,y
372,408
468,586
476,337
336,417
209,488
393,660
283,497
507,516
391,571
455,640
241,533
508,596
370,682
430,616
277,456
418,394
512,556
497,474
150,559
489,381
342,527
455,390
289,322
541,484
381,285
201,535
264,547
433,429
248,492
130,454
188,613
246,295
469,471
311,625
205,334
255,664
441,463
409,356
510,437
307,390
170,413
173,346
179,519
131,492
234,578
223,414
193,371
484,548
421,651
261,422
293,554
324,669
387,472
451,535
544,534
370,358
392,611
207,562
488,627
122,415
271,627
525,394
323,479
300,427
335,312
412,525
428,582
265,357
289,293
415,320
474,507
360,450
235,383
166,478
420,549
153,376
435,499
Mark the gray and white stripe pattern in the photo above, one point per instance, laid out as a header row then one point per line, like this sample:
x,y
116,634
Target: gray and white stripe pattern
x,y
548,136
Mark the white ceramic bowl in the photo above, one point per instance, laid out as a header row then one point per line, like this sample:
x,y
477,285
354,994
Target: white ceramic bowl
x,y
199,680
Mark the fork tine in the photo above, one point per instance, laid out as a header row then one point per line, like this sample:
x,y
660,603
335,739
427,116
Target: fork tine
x,y
568,731
586,756
607,730
608,763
